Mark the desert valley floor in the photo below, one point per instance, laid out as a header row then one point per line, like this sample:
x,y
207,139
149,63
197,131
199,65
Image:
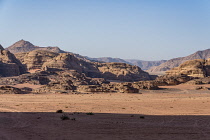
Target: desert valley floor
x,y
175,112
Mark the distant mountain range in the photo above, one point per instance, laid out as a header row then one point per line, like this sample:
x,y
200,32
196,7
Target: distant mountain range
x,y
175,62
144,65
149,66
26,46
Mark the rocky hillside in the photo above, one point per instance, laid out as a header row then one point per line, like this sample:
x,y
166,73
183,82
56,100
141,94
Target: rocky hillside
x,y
35,59
9,65
205,54
110,71
45,60
193,68
25,46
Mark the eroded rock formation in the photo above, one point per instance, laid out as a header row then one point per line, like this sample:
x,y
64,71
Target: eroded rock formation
x,y
9,65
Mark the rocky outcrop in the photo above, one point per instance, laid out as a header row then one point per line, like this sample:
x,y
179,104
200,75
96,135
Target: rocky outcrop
x,y
25,46
190,72
110,71
148,85
122,72
9,65
35,59
205,54
67,61
10,90
172,79
193,68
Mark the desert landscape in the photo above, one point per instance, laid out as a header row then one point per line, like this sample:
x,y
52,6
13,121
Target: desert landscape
x,y
104,70
47,94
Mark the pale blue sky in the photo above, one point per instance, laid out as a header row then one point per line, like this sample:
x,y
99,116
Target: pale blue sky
x,y
129,29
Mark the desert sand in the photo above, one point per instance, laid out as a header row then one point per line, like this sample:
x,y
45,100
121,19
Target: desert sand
x,y
175,112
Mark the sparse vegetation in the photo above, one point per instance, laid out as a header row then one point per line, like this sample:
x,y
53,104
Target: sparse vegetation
x,y
64,117
142,117
59,111
90,113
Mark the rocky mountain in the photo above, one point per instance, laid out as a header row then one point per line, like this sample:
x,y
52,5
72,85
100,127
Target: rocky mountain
x,y
9,64
194,68
110,71
45,60
36,58
25,46
175,62
144,65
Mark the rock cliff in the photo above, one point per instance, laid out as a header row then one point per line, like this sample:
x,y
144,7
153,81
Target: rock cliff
x,y
9,65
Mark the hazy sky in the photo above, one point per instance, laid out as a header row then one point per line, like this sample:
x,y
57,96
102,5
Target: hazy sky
x,y
134,29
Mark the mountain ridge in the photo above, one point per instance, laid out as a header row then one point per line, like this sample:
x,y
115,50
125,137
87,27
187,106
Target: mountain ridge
x,y
25,46
175,62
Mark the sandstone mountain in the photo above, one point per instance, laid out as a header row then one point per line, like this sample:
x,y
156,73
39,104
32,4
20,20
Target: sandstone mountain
x,y
205,54
194,68
45,60
111,71
25,46
9,65
191,72
35,59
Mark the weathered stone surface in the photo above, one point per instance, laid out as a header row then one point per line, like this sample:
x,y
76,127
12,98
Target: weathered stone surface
x,y
172,79
10,90
35,59
193,68
111,71
122,72
9,65
175,62
148,85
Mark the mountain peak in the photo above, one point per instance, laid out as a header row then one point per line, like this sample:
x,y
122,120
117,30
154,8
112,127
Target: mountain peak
x,y
22,43
1,48
25,46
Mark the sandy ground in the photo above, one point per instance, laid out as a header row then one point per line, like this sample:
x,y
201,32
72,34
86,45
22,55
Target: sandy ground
x,y
173,113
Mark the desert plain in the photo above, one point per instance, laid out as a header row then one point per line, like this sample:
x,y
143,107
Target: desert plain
x,y
171,113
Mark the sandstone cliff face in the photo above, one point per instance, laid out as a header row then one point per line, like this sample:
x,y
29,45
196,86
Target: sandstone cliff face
x,y
122,72
35,59
68,61
9,65
191,72
205,54
111,71
193,68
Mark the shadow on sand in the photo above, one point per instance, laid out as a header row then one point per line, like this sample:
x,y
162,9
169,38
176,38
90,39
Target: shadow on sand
x,y
99,126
